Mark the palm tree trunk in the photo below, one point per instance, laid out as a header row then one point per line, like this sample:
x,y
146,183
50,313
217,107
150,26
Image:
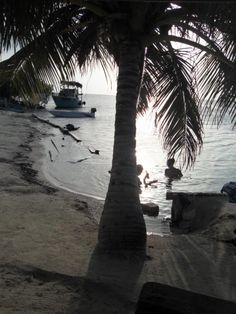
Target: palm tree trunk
x,y
122,225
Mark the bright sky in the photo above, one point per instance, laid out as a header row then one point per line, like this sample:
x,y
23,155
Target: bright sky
x,y
96,82
93,83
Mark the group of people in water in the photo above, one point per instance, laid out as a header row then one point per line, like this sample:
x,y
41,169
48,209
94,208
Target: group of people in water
x,y
171,173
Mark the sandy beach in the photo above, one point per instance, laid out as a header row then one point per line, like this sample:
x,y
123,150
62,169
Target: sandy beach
x,y
48,258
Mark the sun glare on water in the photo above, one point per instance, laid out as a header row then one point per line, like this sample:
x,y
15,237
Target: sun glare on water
x,y
145,132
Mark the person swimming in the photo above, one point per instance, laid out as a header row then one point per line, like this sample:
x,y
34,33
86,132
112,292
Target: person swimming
x,y
172,172
146,178
148,182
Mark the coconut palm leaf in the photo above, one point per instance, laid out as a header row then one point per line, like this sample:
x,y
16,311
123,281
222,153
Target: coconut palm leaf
x,y
176,103
145,95
212,16
88,47
22,20
41,59
216,83
65,36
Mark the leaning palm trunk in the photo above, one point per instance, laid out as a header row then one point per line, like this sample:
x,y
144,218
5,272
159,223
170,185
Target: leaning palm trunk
x,y
122,224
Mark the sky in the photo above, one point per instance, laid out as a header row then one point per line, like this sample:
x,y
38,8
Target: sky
x,y
93,83
96,83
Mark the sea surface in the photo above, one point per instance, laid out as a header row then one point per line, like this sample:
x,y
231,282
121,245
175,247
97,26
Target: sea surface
x,y
76,169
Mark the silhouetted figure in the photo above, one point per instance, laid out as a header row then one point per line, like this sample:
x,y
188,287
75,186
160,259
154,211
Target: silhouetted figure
x,y
172,172
139,171
148,182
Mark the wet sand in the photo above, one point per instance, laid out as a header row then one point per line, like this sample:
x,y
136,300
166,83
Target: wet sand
x,y
48,257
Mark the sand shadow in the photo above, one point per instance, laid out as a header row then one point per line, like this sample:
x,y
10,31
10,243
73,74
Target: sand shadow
x,y
111,283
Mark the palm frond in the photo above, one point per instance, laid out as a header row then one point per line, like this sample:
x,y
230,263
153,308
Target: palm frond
x,y
145,94
42,59
68,36
217,84
176,103
20,21
212,16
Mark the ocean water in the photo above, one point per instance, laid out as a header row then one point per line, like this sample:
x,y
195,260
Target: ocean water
x,y
214,166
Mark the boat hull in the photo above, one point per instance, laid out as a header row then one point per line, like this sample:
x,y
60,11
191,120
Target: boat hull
x,y
67,102
72,114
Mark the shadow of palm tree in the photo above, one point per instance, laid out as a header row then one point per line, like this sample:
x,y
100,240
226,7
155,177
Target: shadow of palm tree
x,y
110,285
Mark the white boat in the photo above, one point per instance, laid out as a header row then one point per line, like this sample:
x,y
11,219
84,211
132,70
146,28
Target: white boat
x,y
73,113
70,95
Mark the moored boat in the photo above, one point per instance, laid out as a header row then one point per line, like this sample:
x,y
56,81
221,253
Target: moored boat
x,y
70,95
73,113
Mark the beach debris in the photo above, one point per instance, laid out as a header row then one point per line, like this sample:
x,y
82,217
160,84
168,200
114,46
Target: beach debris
x,y
26,147
166,219
81,205
64,131
74,137
95,151
150,209
55,146
50,155
71,127
230,189
82,159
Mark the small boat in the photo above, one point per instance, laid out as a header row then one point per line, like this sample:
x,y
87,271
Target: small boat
x,y
12,109
73,113
12,105
70,95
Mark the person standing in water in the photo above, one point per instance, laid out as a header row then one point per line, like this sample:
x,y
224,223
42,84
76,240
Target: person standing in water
x,y
145,182
139,172
172,172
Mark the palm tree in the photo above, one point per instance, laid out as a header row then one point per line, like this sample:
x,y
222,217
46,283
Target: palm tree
x,y
168,52
7,91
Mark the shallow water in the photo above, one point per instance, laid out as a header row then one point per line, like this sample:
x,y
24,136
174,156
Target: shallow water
x,y
214,167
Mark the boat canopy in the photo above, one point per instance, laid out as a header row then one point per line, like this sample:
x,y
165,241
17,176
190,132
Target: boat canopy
x,y
71,83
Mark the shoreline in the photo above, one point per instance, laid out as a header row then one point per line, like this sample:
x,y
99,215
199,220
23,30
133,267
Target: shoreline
x,y
26,186
95,204
48,260
155,225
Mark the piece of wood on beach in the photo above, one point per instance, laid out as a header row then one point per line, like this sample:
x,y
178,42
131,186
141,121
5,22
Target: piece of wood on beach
x,y
95,151
82,159
50,155
53,143
63,130
163,299
74,137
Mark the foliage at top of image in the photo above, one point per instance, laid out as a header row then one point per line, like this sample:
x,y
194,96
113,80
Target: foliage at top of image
x,y
54,38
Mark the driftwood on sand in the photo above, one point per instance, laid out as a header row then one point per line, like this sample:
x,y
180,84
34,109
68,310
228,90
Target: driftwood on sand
x,y
63,130
55,146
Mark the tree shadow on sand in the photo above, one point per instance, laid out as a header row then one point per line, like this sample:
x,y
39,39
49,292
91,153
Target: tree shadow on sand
x,y
110,285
